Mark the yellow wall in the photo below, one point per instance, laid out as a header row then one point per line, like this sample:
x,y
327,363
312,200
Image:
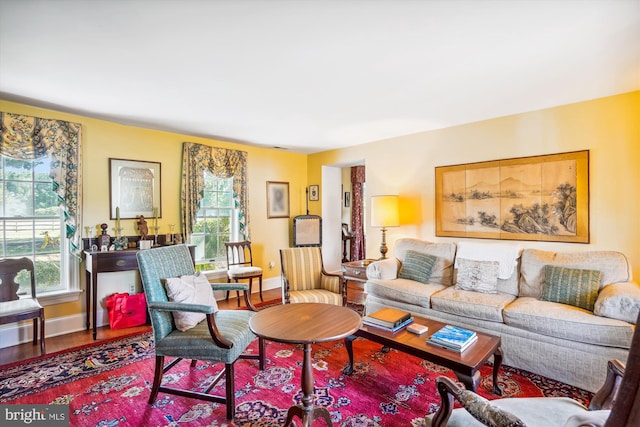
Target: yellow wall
x,y
608,127
102,140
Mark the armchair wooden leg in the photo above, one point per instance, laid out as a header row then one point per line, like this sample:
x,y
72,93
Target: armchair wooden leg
x,y
157,378
231,393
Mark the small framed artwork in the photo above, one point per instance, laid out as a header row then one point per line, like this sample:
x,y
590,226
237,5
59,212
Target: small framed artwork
x,y
134,189
347,199
277,199
314,193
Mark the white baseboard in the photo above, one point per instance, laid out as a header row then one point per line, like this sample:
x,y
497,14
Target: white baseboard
x,y
20,333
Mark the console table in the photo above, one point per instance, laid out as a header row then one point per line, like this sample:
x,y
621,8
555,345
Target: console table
x,y
107,262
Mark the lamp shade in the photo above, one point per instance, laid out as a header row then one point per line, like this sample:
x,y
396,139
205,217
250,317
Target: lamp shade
x,y
384,211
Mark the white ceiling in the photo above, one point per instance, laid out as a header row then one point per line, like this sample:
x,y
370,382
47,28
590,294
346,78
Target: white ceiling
x,y
313,75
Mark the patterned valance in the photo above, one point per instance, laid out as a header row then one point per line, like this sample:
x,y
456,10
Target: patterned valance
x,y
30,138
222,163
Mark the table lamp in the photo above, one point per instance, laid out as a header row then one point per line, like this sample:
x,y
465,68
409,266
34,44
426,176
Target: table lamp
x,y
384,213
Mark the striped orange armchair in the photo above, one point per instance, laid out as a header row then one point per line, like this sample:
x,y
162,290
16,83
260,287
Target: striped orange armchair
x,y
305,279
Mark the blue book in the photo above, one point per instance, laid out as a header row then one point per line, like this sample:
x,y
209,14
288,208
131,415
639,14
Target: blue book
x,y
453,336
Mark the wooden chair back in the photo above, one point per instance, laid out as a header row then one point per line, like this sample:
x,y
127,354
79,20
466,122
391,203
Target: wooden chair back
x,y
15,308
10,268
239,254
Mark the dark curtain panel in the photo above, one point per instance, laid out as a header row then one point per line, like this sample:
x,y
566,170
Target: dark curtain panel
x,y
357,220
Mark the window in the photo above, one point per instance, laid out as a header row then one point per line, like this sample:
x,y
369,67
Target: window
x,y
215,223
32,223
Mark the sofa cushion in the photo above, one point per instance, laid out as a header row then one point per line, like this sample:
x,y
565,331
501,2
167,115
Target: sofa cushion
x,y
619,301
478,276
402,290
417,266
470,304
571,286
567,322
613,265
442,271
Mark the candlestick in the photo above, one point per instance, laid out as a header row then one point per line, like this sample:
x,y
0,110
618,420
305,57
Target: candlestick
x,y
117,217
155,220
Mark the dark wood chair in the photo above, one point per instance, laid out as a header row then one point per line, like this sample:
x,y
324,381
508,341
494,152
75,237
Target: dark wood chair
x,y
616,404
17,308
240,265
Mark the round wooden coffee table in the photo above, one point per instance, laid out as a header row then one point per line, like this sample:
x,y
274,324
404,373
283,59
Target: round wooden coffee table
x,y
305,323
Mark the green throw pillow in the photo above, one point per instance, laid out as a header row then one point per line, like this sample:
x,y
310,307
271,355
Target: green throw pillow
x,y
571,286
417,266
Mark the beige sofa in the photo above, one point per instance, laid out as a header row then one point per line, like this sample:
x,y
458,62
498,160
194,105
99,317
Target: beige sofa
x,y
559,341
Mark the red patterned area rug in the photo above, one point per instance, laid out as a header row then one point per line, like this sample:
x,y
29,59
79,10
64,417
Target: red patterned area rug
x,y
108,384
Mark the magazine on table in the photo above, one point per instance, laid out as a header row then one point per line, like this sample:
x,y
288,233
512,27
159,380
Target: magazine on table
x,y
454,348
453,337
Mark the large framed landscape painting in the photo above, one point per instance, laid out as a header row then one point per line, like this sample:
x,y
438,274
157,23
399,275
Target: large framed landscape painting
x,y
543,198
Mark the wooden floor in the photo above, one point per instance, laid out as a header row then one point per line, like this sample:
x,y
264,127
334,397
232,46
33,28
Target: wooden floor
x,y
75,339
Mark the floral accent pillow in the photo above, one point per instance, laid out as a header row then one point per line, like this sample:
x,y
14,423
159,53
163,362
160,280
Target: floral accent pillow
x,y
477,276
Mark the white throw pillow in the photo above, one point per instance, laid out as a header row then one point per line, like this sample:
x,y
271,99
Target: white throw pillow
x,y
477,276
192,289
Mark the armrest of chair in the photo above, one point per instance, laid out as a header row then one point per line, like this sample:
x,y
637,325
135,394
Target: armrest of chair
x,y
229,286
604,397
244,287
479,407
334,283
181,306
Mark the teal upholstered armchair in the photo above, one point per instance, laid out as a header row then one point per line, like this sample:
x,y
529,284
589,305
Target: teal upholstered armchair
x,y
222,336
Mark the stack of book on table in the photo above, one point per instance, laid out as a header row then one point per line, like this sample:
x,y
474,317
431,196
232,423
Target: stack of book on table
x,y
388,318
453,338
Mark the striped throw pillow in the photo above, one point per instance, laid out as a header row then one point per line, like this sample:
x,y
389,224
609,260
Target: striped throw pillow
x,y
417,266
571,286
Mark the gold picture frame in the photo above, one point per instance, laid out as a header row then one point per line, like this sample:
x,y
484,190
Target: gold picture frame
x,y
277,199
134,188
539,198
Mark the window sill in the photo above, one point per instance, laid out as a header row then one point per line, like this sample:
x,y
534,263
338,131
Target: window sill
x,y
60,297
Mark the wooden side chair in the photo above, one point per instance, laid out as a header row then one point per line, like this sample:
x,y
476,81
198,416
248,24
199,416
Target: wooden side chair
x,y
222,336
16,308
240,265
306,280
615,404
